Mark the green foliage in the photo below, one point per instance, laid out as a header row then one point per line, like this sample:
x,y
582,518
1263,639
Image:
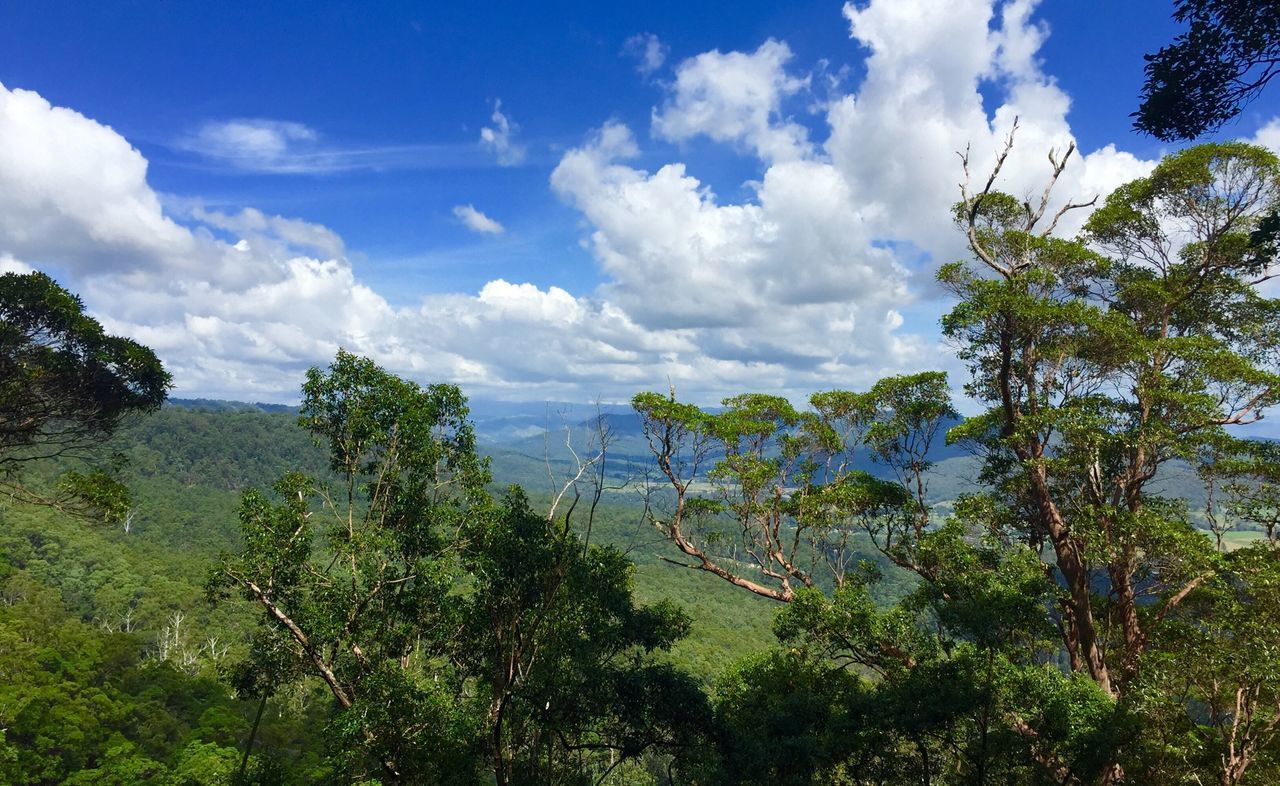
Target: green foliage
x,y
80,705
1045,639
65,387
354,577
1209,688
456,634
1099,371
782,717
1222,61
770,498
562,656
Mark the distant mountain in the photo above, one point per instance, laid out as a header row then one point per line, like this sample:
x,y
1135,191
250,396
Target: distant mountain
x,y
503,422
233,445
222,405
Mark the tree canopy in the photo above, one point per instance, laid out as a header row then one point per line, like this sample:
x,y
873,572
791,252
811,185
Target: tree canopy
x,y
65,387
456,633
1224,59
1050,633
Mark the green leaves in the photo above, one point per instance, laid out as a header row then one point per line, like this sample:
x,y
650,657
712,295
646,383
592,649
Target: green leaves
x,y
376,423
353,578
455,632
65,387
56,363
1208,73
561,657
762,483
1098,372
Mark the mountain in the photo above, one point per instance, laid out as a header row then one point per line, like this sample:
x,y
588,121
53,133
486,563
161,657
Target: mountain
x,y
222,405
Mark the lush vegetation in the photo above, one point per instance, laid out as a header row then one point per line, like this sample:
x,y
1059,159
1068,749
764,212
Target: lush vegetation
x,y
827,594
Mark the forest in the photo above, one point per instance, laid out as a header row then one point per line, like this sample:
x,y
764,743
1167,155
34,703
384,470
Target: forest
x,y
1077,584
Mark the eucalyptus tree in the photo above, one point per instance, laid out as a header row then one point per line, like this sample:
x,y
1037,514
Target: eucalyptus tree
x,y
463,639
1047,601
771,498
1101,362
353,573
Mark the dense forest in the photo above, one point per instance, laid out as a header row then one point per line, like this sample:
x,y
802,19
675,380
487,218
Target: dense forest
x,y
1076,584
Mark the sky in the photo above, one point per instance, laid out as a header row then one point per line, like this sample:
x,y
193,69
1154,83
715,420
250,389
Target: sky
x,y
546,201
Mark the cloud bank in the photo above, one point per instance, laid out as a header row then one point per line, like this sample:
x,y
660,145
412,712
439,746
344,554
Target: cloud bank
x,y
808,283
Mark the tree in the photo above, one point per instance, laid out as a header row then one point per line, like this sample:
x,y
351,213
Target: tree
x,y
562,656
1102,363
1045,603
353,577
1226,57
455,633
1216,653
65,387
770,498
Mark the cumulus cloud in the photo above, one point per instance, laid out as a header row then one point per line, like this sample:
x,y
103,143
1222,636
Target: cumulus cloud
x,y
74,192
499,139
1269,135
801,285
895,140
648,52
782,293
736,97
476,221
814,280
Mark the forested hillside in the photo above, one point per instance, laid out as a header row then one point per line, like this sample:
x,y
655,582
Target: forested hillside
x,y
116,652
116,665
1036,543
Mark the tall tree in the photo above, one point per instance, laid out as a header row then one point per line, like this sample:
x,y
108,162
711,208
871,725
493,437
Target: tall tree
x,y
1102,363
771,498
1049,603
353,575
1227,55
456,633
65,387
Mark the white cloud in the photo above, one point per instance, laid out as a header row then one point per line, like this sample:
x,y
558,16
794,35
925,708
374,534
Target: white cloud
x,y
235,302
74,195
476,221
281,147
800,286
797,287
500,138
648,52
250,223
782,292
1269,135
895,139
10,265
255,143
736,97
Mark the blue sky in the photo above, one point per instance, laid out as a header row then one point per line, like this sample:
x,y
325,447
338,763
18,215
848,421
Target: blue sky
x,y
552,200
